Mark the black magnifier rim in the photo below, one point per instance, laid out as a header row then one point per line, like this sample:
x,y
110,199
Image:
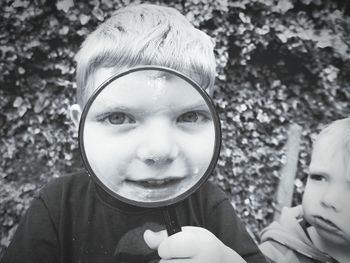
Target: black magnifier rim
x,y
217,143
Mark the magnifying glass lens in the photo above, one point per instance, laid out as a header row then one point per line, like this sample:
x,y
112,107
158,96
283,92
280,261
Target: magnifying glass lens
x,y
148,136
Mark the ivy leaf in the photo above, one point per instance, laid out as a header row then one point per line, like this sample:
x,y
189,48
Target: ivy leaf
x,y
324,39
41,103
84,19
22,110
64,5
20,3
18,102
98,13
28,187
21,70
64,30
282,6
2,120
244,18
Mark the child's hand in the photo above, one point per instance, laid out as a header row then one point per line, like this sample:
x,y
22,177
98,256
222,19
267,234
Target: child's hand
x,y
193,244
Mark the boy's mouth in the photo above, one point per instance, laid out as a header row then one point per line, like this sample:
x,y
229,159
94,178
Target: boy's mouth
x,y
153,189
156,183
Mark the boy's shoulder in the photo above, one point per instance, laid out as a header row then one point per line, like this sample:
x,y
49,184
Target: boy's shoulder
x,y
78,179
208,199
211,193
66,187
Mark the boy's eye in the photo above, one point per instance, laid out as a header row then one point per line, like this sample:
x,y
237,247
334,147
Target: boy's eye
x,y
118,118
192,117
318,177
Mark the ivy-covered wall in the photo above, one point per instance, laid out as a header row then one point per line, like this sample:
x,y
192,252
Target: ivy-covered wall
x,y
279,62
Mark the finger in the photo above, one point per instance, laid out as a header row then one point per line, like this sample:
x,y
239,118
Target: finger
x,y
179,245
153,239
177,260
194,229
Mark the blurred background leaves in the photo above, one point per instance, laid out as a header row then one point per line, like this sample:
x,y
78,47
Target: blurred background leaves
x,y
279,62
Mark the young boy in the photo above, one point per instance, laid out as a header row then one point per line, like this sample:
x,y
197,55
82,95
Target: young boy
x,y
74,220
149,136
319,229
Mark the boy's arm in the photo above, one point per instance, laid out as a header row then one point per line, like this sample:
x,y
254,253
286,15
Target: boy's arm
x,y
35,240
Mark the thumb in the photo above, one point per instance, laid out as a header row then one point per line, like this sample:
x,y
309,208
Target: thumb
x,y
153,239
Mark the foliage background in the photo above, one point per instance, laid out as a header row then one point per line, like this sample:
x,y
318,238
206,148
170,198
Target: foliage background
x,y
279,62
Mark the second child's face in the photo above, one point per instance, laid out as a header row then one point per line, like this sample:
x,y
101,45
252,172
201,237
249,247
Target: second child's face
x,y
148,138
327,194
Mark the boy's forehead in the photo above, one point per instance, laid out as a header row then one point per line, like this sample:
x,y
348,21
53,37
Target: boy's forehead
x,y
144,87
104,73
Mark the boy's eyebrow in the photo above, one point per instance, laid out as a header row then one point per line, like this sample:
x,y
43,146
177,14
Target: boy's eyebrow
x,y
106,107
110,109
200,105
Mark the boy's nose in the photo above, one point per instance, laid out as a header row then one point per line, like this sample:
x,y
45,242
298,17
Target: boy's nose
x,y
158,146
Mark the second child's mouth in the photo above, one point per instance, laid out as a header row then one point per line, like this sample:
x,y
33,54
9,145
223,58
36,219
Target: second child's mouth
x,y
326,224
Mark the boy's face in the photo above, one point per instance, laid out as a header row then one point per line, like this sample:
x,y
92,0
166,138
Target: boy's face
x,y
148,137
327,193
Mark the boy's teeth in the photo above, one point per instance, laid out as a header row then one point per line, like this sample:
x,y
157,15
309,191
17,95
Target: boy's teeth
x,y
156,181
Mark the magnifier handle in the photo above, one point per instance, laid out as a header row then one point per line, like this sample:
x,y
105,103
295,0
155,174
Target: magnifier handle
x,y
171,221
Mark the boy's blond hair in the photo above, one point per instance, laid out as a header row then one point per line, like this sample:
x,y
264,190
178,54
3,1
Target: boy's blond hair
x,y
145,35
339,130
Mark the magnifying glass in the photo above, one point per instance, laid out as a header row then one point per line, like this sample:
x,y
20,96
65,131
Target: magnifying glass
x,y
150,137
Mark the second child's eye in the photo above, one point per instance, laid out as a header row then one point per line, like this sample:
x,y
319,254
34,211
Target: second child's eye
x,y
318,177
119,118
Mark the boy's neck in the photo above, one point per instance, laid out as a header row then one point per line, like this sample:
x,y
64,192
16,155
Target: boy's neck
x,y
338,252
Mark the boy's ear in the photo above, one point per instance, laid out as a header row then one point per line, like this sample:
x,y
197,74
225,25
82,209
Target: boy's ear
x,y
75,114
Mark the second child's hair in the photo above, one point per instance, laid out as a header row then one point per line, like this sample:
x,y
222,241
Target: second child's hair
x,y
339,131
146,35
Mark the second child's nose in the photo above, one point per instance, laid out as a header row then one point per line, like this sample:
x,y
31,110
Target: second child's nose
x,y
333,198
